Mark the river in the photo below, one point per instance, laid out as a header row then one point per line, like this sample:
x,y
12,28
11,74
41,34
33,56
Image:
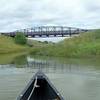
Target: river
x,y
75,79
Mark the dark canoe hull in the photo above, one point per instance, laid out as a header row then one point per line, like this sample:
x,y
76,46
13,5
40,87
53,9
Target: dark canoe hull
x,y
44,90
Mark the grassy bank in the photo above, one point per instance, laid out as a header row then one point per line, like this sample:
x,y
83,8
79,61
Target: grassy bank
x,y
7,45
85,45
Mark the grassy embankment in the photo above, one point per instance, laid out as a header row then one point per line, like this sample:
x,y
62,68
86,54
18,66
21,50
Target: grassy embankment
x,y
7,45
10,50
85,45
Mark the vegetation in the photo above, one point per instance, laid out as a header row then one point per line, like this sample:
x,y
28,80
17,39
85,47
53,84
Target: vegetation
x,y
20,38
7,45
35,44
85,45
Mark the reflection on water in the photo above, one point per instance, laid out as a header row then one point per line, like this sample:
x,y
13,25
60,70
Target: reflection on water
x,y
73,78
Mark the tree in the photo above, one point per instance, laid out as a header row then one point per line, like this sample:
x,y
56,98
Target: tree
x,y
20,38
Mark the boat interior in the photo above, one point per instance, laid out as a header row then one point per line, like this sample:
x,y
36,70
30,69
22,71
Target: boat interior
x,y
41,91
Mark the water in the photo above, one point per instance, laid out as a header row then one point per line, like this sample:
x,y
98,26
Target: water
x,y
75,79
50,39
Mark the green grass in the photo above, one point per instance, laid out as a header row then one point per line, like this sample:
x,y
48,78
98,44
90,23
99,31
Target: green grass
x,y
7,45
85,45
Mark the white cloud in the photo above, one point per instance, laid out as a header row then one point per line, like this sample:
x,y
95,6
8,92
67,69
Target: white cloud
x,y
16,14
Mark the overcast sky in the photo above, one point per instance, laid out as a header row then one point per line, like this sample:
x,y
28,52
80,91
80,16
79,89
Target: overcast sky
x,y
17,14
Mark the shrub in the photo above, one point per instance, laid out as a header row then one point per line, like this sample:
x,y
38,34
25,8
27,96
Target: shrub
x,y
20,38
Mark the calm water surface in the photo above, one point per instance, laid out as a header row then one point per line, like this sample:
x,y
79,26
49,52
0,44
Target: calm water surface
x,y
75,79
